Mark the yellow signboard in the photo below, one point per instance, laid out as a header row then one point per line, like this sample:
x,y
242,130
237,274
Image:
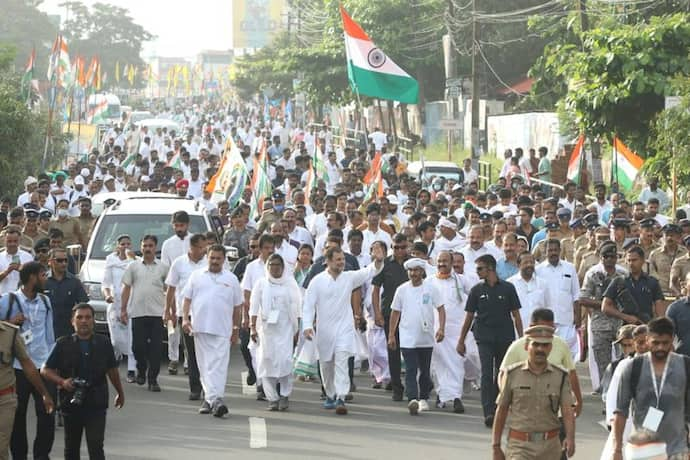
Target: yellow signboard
x,y
255,22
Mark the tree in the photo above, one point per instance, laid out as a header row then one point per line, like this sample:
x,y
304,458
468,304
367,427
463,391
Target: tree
x,y
108,32
617,81
671,139
22,133
25,27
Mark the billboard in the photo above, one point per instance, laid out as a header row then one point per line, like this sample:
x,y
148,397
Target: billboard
x,y
255,22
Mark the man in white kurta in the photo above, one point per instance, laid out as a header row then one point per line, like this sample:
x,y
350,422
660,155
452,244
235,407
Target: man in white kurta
x,y
447,365
275,311
562,294
328,311
214,299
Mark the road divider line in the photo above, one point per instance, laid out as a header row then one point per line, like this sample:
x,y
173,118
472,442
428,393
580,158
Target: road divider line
x,y
258,438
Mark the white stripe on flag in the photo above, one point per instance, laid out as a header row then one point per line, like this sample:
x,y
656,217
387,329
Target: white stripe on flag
x,y
359,54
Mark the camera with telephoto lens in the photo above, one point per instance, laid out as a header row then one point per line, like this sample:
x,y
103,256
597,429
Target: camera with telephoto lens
x,y
80,387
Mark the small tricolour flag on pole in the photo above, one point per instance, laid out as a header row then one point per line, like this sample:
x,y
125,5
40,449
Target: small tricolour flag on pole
x,y
28,77
370,71
626,165
575,163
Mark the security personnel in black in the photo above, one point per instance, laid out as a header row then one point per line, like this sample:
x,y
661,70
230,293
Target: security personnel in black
x,y
78,365
493,314
64,290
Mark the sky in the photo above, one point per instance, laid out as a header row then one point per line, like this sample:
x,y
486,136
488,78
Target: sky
x,y
183,29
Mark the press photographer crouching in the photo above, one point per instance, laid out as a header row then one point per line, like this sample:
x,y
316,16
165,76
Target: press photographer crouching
x,y
78,365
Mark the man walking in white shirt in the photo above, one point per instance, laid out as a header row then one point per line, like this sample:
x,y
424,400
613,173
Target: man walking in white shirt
x,y
531,290
562,294
213,298
328,311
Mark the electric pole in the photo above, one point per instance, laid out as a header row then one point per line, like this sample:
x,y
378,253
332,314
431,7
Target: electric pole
x,y
474,135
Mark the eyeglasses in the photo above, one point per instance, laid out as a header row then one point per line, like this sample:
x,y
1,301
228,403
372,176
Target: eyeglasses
x,y
61,260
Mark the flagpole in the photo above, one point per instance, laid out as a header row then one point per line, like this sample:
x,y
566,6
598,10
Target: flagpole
x,y
51,105
361,116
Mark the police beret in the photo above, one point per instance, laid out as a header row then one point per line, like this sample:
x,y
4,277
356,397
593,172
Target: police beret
x,y
671,228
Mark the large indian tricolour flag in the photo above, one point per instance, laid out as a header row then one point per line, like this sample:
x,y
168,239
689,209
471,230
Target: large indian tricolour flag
x,y
626,165
370,71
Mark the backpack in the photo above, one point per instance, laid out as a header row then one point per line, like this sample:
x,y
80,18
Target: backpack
x,y
637,370
14,300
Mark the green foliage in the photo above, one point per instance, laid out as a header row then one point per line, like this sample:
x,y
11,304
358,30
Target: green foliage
x,y
108,32
22,136
618,79
671,139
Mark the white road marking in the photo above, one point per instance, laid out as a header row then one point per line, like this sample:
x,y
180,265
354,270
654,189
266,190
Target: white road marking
x,y
247,389
258,439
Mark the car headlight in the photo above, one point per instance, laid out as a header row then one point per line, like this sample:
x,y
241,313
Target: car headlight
x,y
94,291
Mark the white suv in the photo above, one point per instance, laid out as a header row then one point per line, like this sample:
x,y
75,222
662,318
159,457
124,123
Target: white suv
x,y
135,216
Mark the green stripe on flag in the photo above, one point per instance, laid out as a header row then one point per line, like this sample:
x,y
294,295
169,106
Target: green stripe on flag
x,y
383,85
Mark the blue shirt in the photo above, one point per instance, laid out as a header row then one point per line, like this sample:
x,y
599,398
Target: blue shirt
x,y
540,235
505,269
38,318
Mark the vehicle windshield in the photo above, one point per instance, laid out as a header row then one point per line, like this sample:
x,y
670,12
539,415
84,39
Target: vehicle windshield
x,y
136,226
430,174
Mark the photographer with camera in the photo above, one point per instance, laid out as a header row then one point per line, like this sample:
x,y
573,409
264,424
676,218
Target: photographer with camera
x,y
78,365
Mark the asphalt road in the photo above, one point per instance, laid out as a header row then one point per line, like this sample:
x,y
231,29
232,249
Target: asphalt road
x,y
166,426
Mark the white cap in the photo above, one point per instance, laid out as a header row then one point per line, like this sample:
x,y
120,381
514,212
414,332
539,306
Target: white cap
x,y
392,199
415,262
98,176
85,172
30,181
456,187
445,222
79,180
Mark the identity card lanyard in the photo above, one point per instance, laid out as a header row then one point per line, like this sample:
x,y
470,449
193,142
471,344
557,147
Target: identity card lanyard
x,y
658,389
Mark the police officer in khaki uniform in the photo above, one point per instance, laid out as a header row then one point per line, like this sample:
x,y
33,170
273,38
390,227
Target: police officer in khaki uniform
x,y
569,244
661,260
679,270
553,232
11,347
533,392
647,239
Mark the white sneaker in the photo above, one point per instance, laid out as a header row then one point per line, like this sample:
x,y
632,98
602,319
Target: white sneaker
x,y
423,405
475,385
413,407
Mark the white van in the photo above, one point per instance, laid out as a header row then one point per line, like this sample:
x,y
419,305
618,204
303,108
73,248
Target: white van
x,y
135,216
113,113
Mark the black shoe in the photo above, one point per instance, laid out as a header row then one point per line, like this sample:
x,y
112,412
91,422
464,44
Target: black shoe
x,y
489,421
389,387
194,396
260,396
349,397
353,388
60,420
376,386
459,407
220,411
186,371
154,387
141,379
364,366
251,378
172,368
